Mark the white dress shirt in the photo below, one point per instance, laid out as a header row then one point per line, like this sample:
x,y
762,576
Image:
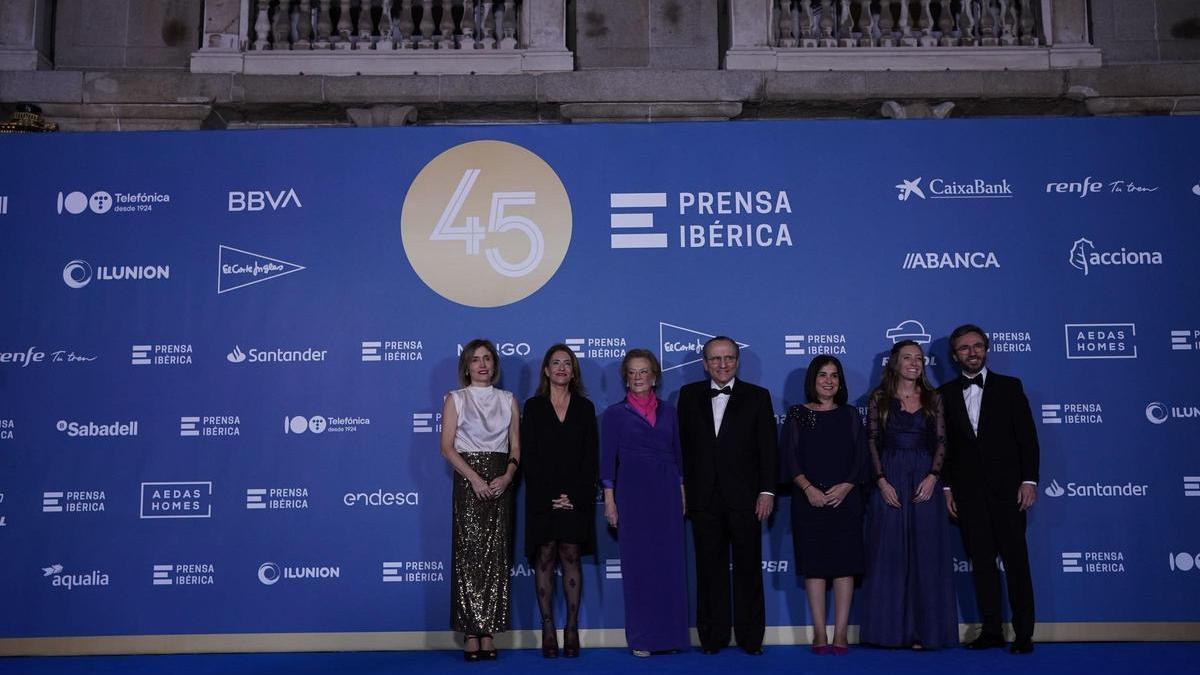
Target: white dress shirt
x,y
719,403
973,397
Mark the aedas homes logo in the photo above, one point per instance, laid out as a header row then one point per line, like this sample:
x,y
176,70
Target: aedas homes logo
x,y
486,223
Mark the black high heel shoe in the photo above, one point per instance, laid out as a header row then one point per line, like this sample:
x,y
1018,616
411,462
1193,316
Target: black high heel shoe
x,y
571,642
549,639
471,655
488,654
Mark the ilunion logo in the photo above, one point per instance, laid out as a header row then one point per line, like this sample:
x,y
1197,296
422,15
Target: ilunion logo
x,y
1054,489
77,274
1157,413
268,573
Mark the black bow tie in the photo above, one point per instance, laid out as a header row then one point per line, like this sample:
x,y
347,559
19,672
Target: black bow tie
x,y
727,390
968,381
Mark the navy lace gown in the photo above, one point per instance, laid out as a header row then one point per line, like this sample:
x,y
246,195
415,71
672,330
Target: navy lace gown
x,y
908,591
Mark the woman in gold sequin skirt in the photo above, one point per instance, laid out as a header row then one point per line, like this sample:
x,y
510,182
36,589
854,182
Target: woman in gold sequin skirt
x,y
481,442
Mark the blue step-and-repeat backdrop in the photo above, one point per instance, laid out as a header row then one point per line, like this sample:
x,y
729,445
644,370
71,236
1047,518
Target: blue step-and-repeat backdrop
x,y
223,356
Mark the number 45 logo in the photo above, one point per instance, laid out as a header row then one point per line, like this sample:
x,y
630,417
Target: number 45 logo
x,y
498,221
508,209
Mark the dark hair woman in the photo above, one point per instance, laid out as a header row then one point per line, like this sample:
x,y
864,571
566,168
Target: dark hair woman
x,y
824,455
560,456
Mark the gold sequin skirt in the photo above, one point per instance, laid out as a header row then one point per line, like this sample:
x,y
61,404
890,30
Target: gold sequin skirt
x,y
481,550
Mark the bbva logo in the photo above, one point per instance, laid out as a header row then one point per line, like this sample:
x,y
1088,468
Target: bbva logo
x,y
259,200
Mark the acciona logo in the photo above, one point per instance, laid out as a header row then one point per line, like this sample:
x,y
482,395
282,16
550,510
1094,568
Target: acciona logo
x,y
79,273
1096,489
941,188
1084,257
951,260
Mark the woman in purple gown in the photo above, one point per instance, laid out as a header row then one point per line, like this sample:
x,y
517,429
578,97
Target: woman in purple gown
x,y
642,474
908,592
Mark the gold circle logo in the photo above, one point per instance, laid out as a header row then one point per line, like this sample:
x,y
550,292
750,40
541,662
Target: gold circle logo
x,y
486,223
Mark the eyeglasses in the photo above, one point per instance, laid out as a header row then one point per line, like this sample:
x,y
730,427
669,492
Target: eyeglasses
x,y
721,359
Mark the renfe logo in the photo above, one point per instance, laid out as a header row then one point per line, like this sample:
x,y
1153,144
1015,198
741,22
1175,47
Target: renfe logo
x,y
259,200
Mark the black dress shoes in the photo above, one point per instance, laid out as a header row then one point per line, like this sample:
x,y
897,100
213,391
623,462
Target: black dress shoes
x,y
709,651
986,641
1021,647
755,651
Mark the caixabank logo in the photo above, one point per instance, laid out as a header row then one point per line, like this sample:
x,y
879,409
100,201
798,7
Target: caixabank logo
x,y
486,223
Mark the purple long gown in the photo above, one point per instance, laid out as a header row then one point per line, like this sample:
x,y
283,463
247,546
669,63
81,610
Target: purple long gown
x,y
908,590
643,464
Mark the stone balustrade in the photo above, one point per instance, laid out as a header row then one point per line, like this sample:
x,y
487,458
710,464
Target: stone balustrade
x,y
384,37
909,35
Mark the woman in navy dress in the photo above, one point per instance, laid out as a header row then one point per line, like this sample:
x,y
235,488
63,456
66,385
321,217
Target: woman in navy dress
x,y
824,456
642,473
908,592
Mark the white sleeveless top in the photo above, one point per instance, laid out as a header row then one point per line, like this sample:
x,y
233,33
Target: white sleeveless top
x,y
484,416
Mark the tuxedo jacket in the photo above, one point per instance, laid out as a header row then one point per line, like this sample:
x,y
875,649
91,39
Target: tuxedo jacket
x,y
1003,454
742,459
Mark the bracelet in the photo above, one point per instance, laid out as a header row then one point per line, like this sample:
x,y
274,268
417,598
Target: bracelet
x,y
805,488
879,476
515,462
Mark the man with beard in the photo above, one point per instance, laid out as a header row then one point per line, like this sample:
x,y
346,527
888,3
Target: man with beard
x,y
990,476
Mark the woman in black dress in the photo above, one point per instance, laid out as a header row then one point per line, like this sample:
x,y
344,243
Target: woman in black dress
x,y
561,462
824,456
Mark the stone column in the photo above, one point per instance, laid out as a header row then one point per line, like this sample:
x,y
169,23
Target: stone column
x,y
23,32
224,37
750,36
543,36
1065,23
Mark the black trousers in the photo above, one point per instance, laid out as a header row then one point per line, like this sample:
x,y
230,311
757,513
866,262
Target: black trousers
x,y
991,528
722,536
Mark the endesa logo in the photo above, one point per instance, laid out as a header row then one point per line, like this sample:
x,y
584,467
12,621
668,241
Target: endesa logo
x,y
261,200
382,498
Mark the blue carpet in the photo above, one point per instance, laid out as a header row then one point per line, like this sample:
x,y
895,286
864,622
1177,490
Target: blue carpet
x,y
1091,658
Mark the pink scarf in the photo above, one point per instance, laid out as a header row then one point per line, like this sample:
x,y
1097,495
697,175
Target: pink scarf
x,y
646,405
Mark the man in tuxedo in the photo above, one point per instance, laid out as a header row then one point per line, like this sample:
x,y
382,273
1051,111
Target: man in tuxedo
x,y
991,475
728,436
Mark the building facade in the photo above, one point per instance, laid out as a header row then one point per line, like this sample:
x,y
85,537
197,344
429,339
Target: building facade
x,y
219,64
